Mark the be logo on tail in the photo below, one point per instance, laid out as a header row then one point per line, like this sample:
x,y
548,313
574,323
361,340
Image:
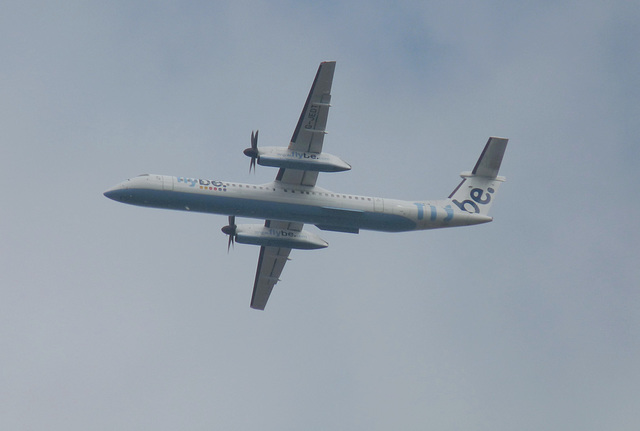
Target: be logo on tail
x,y
475,194
478,197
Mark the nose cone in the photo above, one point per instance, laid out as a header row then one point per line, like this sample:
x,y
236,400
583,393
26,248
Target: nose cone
x,y
117,193
111,194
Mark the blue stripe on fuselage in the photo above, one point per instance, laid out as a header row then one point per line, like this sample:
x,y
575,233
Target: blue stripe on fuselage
x,y
266,209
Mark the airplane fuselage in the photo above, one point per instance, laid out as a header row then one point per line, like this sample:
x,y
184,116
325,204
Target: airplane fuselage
x,y
274,201
292,200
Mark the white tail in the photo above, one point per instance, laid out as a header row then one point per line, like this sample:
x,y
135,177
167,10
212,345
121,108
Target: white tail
x,y
476,191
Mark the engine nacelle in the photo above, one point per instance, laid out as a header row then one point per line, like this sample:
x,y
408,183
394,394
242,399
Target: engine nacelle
x,y
281,157
256,234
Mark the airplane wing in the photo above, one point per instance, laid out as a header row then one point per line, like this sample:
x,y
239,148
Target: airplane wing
x,y
270,266
310,130
308,136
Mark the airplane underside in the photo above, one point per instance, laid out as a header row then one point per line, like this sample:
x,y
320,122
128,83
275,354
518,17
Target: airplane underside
x,y
327,218
293,199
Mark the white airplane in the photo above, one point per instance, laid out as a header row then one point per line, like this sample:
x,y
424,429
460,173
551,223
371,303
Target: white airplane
x,y
293,199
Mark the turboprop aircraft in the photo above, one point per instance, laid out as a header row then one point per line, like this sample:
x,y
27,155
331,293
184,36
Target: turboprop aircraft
x,y
293,199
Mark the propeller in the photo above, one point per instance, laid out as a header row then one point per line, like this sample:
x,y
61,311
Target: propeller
x,y
230,230
253,151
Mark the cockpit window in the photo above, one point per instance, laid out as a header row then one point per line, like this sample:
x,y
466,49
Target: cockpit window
x,y
143,175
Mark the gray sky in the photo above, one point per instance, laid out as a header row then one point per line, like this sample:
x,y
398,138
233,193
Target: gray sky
x,y
118,317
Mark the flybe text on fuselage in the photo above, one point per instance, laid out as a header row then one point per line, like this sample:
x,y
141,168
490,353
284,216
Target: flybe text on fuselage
x,y
192,182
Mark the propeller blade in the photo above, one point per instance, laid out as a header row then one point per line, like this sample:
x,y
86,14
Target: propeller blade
x,y
253,150
254,140
230,230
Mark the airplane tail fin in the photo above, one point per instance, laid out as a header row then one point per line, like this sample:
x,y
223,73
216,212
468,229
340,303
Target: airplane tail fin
x,y
476,191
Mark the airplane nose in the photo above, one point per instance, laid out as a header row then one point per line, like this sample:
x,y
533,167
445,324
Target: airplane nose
x,y
116,193
111,194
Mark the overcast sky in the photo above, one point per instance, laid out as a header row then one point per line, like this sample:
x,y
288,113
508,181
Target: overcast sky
x,y
115,317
